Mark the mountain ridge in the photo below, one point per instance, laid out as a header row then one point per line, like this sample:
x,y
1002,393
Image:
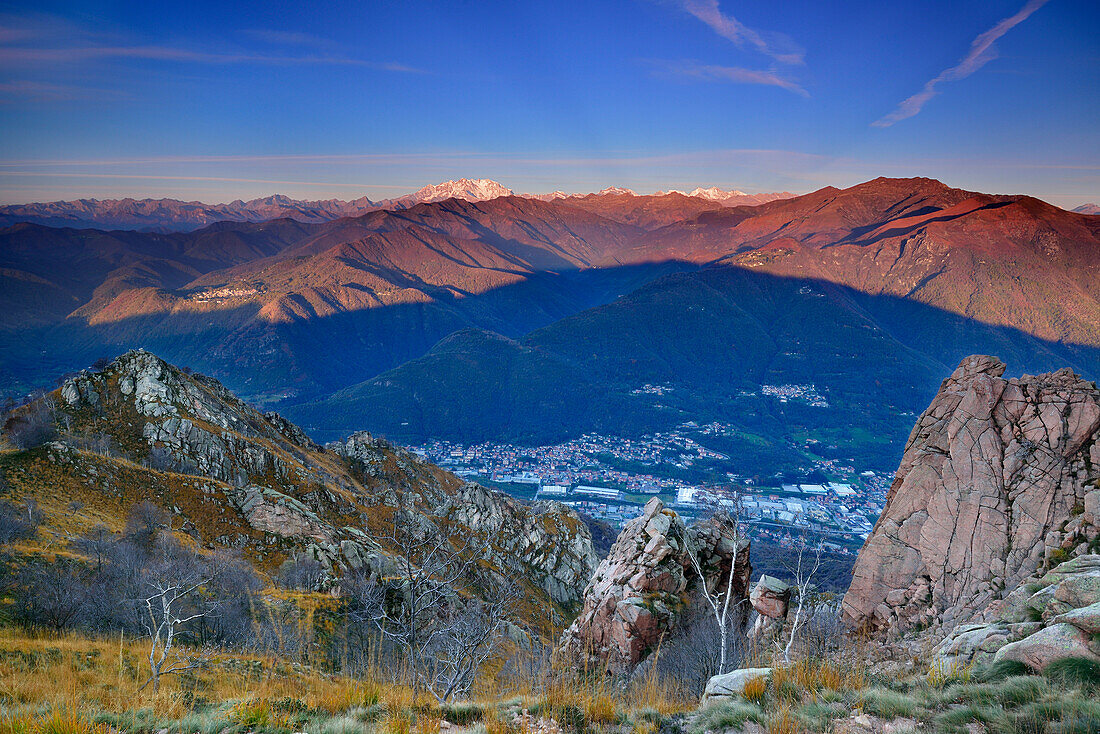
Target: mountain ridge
x,y
176,215
933,271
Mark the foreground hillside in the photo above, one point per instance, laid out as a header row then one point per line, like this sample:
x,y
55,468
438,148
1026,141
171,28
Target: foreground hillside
x,y
356,588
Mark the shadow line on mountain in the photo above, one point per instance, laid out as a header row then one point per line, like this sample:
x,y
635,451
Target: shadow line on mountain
x,y
305,360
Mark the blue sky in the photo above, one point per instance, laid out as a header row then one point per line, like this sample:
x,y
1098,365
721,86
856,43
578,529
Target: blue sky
x,y
216,101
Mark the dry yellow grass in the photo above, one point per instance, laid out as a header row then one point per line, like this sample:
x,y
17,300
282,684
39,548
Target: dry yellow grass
x,y
783,721
69,680
810,677
756,689
77,674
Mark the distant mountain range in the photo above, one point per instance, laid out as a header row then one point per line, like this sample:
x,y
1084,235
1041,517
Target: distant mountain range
x,y
531,320
173,215
1088,209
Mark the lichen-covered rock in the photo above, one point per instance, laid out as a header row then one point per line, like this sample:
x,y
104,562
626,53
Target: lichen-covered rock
x,y
992,475
545,542
1050,644
276,513
971,643
638,591
548,541
1086,619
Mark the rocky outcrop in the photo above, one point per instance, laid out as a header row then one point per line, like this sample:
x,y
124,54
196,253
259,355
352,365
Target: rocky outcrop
x,y
1049,617
991,489
1049,644
545,542
255,481
770,598
642,588
196,425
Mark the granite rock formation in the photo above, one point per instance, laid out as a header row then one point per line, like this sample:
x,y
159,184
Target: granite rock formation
x,y
646,583
991,490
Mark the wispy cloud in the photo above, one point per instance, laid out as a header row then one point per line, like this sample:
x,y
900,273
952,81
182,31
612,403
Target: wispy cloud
x,y
12,55
982,51
40,39
776,45
24,89
286,38
735,74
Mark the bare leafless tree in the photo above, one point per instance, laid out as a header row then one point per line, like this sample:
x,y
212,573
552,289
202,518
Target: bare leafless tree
x,y
18,523
720,598
174,586
301,572
444,638
465,641
803,567
32,425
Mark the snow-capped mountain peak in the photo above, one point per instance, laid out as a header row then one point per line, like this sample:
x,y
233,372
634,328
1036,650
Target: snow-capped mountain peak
x,y
476,189
552,196
616,190
716,194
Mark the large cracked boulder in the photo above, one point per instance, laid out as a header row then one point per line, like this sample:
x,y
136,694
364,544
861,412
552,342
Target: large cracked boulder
x,y
990,490
1049,644
1031,623
640,591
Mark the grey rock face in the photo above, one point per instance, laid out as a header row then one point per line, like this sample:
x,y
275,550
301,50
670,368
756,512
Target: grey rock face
x,y
989,490
1031,623
546,543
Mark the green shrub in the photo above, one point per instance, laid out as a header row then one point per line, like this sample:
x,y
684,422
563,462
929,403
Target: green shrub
x,y
1058,556
889,704
367,714
1002,669
571,717
342,725
462,713
819,716
725,715
1077,714
1027,722
981,694
1020,690
1074,671
205,722
788,690
956,719
288,705
135,722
